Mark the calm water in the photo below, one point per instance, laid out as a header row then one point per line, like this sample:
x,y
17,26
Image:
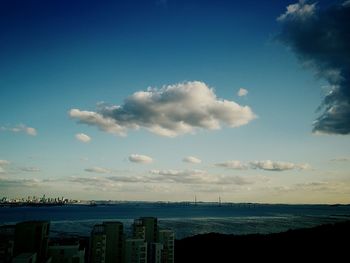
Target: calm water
x,y
185,220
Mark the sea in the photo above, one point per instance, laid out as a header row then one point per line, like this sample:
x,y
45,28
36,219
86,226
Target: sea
x,y
183,218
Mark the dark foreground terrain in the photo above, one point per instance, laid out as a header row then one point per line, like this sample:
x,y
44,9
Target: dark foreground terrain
x,y
329,243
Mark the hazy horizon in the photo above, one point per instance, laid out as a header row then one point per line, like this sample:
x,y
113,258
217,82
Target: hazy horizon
x,y
164,100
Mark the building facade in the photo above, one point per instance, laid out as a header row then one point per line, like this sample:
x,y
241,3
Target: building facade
x,y
98,244
151,228
167,239
32,237
66,253
135,251
114,241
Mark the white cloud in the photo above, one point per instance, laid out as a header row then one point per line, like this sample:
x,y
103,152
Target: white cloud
x,y
234,164
242,92
277,165
30,169
170,111
197,177
31,131
298,11
346,3
191,159
138,158
83,137
3,163
263,165
21,128
94,183
103,123
6,183
97,169
341,159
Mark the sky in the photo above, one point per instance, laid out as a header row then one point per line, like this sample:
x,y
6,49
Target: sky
x,y
164,100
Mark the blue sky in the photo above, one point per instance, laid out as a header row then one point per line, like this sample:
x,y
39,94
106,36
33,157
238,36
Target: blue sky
x,y
62,55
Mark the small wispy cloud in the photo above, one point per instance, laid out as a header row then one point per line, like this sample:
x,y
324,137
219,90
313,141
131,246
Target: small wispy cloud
x,y
7,183
97,169
234,164
278,166
3,163
20,128
83,137
242,92
163,3
346,3
341,159
197,177
266,165
298,11
30,169
192,160
139,158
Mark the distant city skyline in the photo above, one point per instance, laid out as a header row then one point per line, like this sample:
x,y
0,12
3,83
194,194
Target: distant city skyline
x,y
167,100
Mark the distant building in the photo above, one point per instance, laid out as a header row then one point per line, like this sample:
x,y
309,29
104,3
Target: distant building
x,y
66,252
32,237
114,242
135,251
167,238
98,244
25,258
7,235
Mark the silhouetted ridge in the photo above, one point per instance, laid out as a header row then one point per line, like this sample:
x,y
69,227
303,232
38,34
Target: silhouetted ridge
x,y
323,242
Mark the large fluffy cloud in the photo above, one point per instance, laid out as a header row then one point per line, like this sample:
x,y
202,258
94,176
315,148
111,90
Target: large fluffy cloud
x,y
96,119
170,111
139,158
321,40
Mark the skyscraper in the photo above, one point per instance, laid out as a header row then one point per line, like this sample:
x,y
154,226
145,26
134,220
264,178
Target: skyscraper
x,y
135,251
166,238
98,244
151,228
66,251
7,233
138,230
155,253
114,242
32,237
